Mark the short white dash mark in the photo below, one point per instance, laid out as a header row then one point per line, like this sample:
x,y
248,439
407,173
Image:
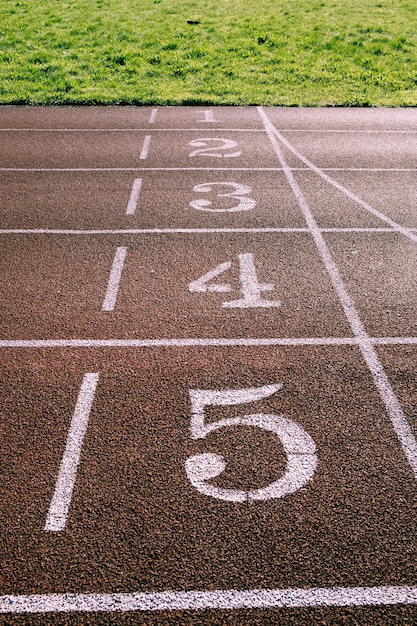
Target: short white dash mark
x,y
114,280
152,118
134,197
145,147
61,500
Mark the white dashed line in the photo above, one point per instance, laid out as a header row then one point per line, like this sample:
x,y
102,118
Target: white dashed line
x,y
134,197
61,500
153,115
114,280
145,148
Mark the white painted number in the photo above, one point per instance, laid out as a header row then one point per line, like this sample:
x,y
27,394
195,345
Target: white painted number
x,y
206,147
298,445
208,116
239,192
250,286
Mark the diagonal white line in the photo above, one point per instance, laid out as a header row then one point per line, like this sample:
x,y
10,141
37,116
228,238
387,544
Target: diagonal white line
x,y
61,500
407,232
134,197
114,280
145,148
393,407
228,599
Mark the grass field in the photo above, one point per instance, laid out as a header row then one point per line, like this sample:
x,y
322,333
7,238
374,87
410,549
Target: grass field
x,y
287,52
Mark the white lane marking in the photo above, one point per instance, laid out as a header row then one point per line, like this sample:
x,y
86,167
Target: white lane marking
x,y
137,129
145,169
146,231
61,500
227,599
197,341
153,115
203,169
114,280
179,343
134,196
370,209
392,405
145,148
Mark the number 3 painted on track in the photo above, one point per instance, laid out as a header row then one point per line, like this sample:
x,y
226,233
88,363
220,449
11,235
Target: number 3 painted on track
x,y
298,445
239,193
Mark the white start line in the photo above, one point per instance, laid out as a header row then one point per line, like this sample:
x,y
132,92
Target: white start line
x,y
228,599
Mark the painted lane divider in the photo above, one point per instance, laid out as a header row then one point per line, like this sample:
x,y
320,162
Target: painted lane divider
x,y
208,117
61,499
134,197
152,118
145,148
114,280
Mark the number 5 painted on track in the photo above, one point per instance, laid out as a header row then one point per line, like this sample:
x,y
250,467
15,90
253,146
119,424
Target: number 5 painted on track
x,y
298,445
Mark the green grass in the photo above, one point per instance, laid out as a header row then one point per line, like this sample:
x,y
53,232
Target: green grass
x,y
272,52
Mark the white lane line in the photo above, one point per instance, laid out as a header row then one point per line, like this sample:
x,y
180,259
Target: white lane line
x,y
153,115
351,131
146,231
61,500
228,599
145,148
134,196
137,129
114,280
201,342
178,343
392,405
370,209
144,169
159,231
203,169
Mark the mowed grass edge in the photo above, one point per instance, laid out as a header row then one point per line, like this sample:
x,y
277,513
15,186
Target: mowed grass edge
x,y
240,52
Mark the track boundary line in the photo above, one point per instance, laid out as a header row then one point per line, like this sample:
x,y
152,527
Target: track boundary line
x,y
352,196
394,410
199,600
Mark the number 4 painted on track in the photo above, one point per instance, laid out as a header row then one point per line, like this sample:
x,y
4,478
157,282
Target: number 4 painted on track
x,y
250,286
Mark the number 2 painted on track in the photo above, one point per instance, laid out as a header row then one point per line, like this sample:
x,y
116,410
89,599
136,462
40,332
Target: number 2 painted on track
x,y
206,148
239,192
298,446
